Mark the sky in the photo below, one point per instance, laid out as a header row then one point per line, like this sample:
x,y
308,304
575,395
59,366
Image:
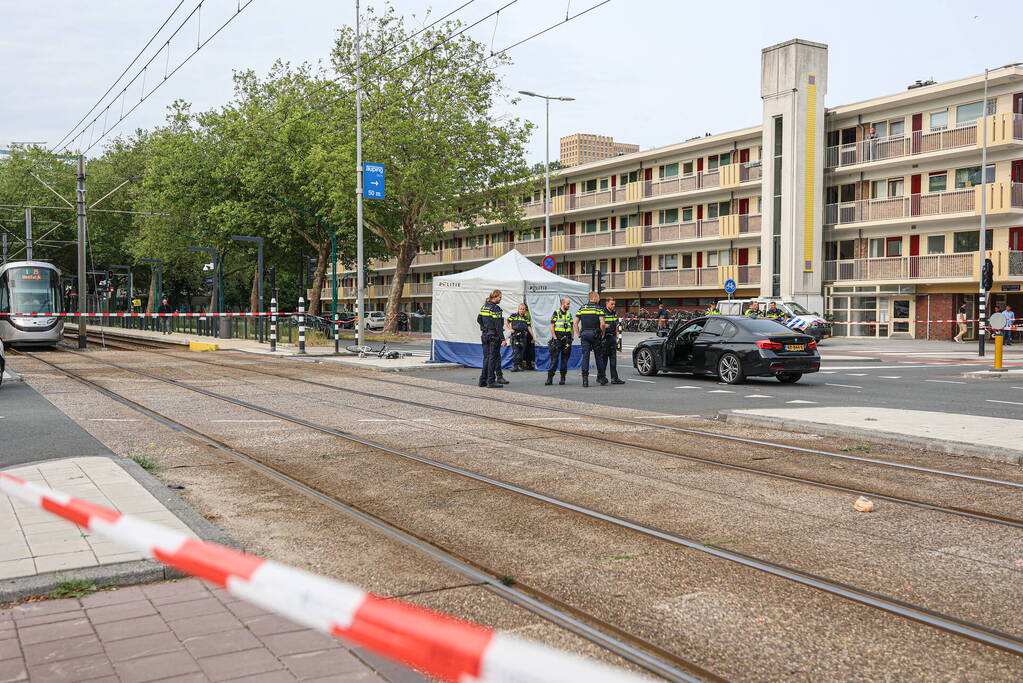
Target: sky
x,y
648,72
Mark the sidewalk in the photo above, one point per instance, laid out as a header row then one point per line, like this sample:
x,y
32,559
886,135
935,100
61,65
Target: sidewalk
x,y
181,631
965,435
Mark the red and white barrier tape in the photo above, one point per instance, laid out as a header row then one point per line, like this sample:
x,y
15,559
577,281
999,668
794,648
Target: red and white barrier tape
x,y
431,642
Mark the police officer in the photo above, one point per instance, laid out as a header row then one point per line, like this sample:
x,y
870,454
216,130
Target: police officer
x,y
611,332
773,312
491,322
521,333
589,325
529,355
560,345
753,309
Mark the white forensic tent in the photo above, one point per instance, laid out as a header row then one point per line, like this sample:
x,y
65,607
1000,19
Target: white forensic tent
x,y
457,300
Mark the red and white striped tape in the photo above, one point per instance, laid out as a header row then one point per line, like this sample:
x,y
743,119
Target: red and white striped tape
x,y
430,642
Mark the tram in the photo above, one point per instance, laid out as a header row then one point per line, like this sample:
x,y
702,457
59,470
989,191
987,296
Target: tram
x,y
30,287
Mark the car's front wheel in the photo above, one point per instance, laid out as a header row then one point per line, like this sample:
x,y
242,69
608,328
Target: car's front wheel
x,y
730,369
645,363
789,377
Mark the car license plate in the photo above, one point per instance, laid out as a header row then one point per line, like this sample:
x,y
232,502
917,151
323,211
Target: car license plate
x,y
795,347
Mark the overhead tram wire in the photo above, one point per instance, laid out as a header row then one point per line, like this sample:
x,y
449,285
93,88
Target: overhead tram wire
x,y
126,69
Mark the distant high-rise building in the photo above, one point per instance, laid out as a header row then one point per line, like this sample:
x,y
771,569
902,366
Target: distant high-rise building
x,y
582,148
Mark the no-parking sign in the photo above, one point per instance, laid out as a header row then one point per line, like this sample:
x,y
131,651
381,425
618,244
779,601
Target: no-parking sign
x,y
549,263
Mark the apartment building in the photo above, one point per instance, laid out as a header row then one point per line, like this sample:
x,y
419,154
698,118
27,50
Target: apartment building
x,y
868,212
582,148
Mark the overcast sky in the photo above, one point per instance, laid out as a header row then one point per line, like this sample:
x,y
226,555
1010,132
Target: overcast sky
x,y
650,72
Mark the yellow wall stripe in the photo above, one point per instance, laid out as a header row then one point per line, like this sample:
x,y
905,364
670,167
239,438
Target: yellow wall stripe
x,y
809,191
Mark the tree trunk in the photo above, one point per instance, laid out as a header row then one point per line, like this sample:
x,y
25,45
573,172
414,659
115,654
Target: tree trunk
x,y
322,254
151,304
254,294
406,254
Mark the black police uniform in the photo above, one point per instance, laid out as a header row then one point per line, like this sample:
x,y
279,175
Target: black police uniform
x,y
610,347
529,355
591,339
519,337
491,322
560,345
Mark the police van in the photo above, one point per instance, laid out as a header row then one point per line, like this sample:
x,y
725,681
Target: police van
x,y
805,321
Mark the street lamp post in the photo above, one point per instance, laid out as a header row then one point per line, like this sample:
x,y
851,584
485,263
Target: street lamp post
x,y
547,166
259,279
982,295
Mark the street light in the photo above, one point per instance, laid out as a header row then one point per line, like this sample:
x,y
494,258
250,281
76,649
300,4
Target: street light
x,y
982,297
259,282
547,166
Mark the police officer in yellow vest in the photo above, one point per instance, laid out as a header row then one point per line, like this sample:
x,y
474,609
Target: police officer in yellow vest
x,y
491,322
773,312
611,332
529,356
560,345
521,332
589,325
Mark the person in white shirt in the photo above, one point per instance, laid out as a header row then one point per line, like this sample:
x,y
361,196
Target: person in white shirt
x,y
1010,320
961,322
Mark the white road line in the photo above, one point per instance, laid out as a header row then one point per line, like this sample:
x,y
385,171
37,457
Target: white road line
x,y
759,396
827,372
855,374
1020,388
944,381
720,391
395,419
891,376
687,386
798,401
882,367
1012,403
246,421
847,386
111,419
644,381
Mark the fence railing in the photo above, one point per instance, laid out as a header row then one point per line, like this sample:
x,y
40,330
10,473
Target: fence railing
x,y
748,173
931,266
918,142
749,275
750,223
683,277
595,240
953,201
528,246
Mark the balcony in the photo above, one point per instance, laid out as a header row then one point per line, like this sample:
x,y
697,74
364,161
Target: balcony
x,y
528,247
749,275
881,149
587,200
705,227
868,210
750,173
533,209
1015,263
930,267
595,240
749,223
689,183
685,277
419,288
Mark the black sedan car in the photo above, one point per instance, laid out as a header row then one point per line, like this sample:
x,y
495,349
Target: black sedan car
x,y
732,347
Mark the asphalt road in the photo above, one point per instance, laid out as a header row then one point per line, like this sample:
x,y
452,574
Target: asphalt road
x,y
914,376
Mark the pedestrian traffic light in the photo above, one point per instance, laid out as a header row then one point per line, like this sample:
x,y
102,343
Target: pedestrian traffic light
x,y
987,275
601,281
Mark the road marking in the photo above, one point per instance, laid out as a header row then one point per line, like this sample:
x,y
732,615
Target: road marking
x,y
855,374
759,396
944,381
686,386
398,419
798,401
111,419
644,381
1012,403
1020,388
718,391
847,386
827,372
900,366
245,421
891,376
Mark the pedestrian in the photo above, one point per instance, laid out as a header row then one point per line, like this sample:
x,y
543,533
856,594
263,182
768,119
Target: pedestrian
x,y
560,345
518,325
491,322
753,309
611,331
529,356
1010,321
164,322
662,316
773,312
589,327
961,322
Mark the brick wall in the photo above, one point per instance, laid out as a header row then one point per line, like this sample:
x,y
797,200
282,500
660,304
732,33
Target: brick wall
x,y
942,307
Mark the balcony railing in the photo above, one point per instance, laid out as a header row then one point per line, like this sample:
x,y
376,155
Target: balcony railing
x,y
953,201
880,149
528,247
931,267
749,275
595,240
684,277
588,199
428,258
748,173
533,209
420,288
749,223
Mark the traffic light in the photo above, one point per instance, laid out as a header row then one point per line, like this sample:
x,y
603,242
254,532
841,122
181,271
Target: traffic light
x,y
601,281
987,275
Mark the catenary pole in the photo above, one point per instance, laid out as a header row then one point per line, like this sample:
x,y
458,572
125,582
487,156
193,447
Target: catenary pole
x,y
547,183
80,211
28,233
359,255
982,295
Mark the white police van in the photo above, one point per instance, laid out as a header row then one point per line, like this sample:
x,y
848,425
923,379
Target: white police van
x,y
807,322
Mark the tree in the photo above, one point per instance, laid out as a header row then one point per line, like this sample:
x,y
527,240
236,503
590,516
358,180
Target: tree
x,y
537,169
429,118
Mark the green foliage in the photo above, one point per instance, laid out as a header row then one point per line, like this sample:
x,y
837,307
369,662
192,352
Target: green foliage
x,y
145,462
73,588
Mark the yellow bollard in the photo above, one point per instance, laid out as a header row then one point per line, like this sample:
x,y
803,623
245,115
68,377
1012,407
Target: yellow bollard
x,y
998,352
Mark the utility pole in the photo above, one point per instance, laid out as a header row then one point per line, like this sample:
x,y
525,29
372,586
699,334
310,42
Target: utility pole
x,y
28,233
359,255
4,249
547,166
80,211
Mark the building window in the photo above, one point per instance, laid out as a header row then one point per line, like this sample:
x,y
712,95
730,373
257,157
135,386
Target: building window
x,y
969,241
876,248
604,224
935,244
897,128
667,262
843,250
726,158
631,263
970,176
893,247
590,186
776,183
938,120
687,260
687,214
669,171
968,113
590,226
668,216
687,168
937,182
712,259
712,163
626,178
627,221
604,183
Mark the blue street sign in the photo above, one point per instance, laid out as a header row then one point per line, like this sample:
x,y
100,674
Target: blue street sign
x,y
373,181
549,263
730,286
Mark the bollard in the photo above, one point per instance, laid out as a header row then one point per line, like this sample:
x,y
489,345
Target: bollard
x,y
301,325
999,342
337,335
273,325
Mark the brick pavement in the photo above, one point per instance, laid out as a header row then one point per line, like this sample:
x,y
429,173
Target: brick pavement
x,y
175,631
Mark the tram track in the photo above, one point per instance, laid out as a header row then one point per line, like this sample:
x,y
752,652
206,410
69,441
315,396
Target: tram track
x,y
944,622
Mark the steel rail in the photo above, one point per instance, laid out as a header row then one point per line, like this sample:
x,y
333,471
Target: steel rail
x,y
486,579
935,619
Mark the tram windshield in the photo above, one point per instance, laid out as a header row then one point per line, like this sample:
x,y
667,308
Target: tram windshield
x,y
30,290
